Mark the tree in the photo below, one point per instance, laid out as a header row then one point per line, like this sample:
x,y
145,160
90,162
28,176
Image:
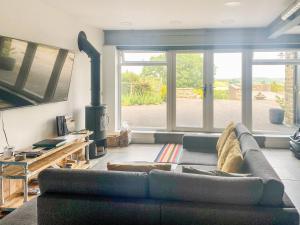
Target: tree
x,y
156,71
189,70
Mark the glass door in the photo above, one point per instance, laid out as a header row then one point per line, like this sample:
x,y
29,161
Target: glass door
x,y
227,89
190,90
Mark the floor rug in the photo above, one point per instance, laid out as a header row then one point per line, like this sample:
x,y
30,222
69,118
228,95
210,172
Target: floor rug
x,y
170,153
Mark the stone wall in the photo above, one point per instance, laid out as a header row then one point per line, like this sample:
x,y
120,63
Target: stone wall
x,y
289,92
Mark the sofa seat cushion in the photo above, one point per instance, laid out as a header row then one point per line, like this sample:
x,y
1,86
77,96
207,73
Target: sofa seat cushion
x,y
195,157
202,188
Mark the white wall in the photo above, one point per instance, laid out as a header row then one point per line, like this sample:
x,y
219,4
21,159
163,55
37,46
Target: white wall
x,y
35,21
110,85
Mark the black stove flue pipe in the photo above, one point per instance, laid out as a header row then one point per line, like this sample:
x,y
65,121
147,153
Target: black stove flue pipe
x,y
91,51
95,114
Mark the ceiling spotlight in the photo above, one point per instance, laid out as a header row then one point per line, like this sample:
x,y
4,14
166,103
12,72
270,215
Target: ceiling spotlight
x,y
290,10
126,23
228,21
232,4
175,22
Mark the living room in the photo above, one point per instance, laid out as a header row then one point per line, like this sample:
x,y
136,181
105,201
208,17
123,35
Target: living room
x,y
149,112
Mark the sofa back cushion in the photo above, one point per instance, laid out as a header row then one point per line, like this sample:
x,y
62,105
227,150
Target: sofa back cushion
x,y
203,188
256,164
92,182
245,138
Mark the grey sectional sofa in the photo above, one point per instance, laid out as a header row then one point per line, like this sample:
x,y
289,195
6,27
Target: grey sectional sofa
x,y
170,198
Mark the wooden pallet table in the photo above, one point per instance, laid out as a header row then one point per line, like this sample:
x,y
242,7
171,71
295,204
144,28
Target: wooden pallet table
x,y
16,176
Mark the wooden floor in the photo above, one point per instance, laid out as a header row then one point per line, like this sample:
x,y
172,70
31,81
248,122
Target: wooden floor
x,y
282,160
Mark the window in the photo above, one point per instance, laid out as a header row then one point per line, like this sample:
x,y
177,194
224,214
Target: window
x,y
189,94
274,105
12,53
41,69
144,89
203,90
227,88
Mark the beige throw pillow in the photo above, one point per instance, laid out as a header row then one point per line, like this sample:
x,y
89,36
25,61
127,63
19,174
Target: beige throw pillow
x,y
234,159
222,139
225,149
138,166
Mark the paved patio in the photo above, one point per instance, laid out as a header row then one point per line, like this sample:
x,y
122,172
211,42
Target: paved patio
x,y
189,114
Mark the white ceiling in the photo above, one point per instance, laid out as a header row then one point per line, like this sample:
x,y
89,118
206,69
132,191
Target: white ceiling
x,y
294,30
171,14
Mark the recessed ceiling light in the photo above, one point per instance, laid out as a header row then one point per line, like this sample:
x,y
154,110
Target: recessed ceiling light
x,y
232,4
228,21
175,22
126,23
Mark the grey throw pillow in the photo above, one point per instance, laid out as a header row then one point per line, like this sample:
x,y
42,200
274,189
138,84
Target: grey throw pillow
x,y
190,169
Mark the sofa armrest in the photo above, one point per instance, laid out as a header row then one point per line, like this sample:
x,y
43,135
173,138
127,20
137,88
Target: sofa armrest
x,y
94,182
200,141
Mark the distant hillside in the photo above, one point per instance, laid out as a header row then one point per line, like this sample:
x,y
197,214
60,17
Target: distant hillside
x,y
267,80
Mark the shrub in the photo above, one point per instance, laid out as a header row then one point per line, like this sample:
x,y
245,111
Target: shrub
x,y
277,88
147,99
221,94
163,92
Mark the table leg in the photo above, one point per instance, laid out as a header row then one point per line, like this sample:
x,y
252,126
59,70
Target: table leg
x,y
1,186
25,183
87,151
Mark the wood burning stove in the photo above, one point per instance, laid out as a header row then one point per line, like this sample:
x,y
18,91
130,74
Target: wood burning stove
x,y
96,118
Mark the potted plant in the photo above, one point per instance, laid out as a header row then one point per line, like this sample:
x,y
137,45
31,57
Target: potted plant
x,y
276,115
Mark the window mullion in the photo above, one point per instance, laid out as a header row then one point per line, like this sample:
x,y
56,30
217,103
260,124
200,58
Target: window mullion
x,y
247,88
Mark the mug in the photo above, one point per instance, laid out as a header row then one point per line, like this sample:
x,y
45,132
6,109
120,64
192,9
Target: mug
x,y
8,152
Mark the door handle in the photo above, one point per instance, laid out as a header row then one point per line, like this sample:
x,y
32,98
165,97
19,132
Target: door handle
x,y
204,90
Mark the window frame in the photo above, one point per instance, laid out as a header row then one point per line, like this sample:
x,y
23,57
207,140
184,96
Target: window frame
x,y
274,62
247,61
122,62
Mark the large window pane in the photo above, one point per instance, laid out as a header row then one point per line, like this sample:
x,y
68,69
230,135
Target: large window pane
x,y
189,94
227,88
144,94
273,98
145,57
11,57
282,55
62,89
41,70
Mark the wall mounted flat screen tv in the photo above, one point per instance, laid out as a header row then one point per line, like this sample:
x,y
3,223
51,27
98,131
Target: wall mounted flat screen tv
x,y
32,73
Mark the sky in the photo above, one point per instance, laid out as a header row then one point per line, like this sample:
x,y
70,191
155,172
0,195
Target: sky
x,y
227,65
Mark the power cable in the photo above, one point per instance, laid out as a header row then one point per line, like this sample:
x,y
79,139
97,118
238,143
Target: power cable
x,y
3,129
